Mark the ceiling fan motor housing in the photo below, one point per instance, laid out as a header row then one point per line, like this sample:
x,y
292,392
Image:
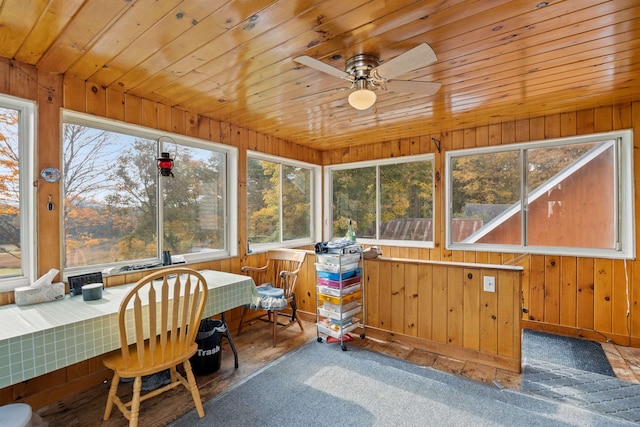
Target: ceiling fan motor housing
x,y
360,66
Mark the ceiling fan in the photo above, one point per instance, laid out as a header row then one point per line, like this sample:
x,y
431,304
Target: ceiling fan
x,y
366,74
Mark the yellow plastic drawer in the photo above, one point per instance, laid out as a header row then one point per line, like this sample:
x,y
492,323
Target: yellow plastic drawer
x,y
336,299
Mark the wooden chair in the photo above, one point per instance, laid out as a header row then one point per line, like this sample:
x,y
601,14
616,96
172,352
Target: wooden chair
x,y
277,283
157,336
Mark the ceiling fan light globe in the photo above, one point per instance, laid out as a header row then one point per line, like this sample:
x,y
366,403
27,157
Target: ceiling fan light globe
x,y
362,99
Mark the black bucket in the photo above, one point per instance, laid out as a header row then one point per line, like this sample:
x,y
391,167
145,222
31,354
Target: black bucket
x,y
209,355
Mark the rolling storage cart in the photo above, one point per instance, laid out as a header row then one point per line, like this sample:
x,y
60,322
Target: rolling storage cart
x,y
340,295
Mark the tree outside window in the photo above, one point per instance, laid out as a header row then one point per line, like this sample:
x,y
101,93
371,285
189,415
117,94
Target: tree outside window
x,y
386,200
279,197
10,232
17,193
111,208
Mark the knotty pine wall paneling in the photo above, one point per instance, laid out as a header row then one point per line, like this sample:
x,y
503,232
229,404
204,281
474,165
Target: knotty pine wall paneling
x,y
24,81
425,302
455,305
568,291
397,299
470,306
411,295
384,296
132,109
439,308
50,98
488,328
371,295
508,314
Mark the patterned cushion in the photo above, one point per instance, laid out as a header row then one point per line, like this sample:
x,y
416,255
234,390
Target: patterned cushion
x,y
270,298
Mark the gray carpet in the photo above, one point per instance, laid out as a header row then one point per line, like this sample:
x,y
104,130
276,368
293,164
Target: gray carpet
x,y
320,385
574,353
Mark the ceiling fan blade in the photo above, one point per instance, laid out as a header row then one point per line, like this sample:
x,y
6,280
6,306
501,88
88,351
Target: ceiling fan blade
x,y
321,66
407,86
320,93
418,57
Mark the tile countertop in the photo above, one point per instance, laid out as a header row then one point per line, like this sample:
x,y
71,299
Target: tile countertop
x,y
41,338
21,320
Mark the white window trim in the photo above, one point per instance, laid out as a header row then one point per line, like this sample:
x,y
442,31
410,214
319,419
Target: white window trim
x,y
231,154
27,138
315,208
625,197
328,199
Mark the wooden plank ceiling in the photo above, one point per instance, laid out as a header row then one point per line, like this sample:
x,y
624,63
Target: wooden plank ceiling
x,y
233,60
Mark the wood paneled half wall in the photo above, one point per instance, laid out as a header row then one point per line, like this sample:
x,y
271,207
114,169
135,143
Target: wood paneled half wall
x,y
443,307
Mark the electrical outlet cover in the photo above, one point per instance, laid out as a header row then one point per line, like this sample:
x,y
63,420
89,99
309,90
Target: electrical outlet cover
x,y
489,284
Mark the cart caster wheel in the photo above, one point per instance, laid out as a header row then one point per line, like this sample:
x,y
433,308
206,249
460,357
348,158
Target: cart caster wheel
x,y
362,335
319,339
344,347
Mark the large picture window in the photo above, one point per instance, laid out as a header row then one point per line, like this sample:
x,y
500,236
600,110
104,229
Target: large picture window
x,y
281,194
116,204
570,196
17,222
390,200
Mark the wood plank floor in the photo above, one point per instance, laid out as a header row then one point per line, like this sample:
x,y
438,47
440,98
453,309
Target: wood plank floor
x,y
255,351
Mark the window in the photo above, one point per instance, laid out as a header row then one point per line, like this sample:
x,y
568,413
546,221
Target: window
x,y
116,204
569,196
390,200
17,193
280,198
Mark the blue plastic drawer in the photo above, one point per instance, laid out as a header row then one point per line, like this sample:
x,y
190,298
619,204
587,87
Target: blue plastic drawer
x,y
338,276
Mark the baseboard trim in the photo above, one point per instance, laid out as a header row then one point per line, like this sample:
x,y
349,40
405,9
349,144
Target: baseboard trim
x,y
583,333
465,354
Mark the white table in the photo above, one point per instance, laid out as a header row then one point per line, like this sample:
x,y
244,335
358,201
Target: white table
x,y
41,338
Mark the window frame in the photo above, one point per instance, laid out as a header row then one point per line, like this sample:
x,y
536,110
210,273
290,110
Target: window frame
x,y
623,199
28,189
314,210
328,199
231,187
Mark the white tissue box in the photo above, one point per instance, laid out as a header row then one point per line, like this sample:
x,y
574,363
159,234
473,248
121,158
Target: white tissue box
x,y
28,295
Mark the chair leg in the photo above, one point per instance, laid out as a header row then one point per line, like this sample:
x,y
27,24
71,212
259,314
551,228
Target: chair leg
x,y
244,313
193,388
135,402
275,325
112,392
294,309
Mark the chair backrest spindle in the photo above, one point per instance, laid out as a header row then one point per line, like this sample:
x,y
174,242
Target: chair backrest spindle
x,y
162,311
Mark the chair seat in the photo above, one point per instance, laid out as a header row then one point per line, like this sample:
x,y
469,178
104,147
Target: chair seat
x,y
270,298
116,363
268,291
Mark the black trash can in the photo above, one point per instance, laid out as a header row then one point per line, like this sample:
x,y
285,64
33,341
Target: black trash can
x,y
209,355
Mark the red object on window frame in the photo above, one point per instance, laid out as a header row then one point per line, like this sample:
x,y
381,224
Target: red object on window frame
x,y
165,164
